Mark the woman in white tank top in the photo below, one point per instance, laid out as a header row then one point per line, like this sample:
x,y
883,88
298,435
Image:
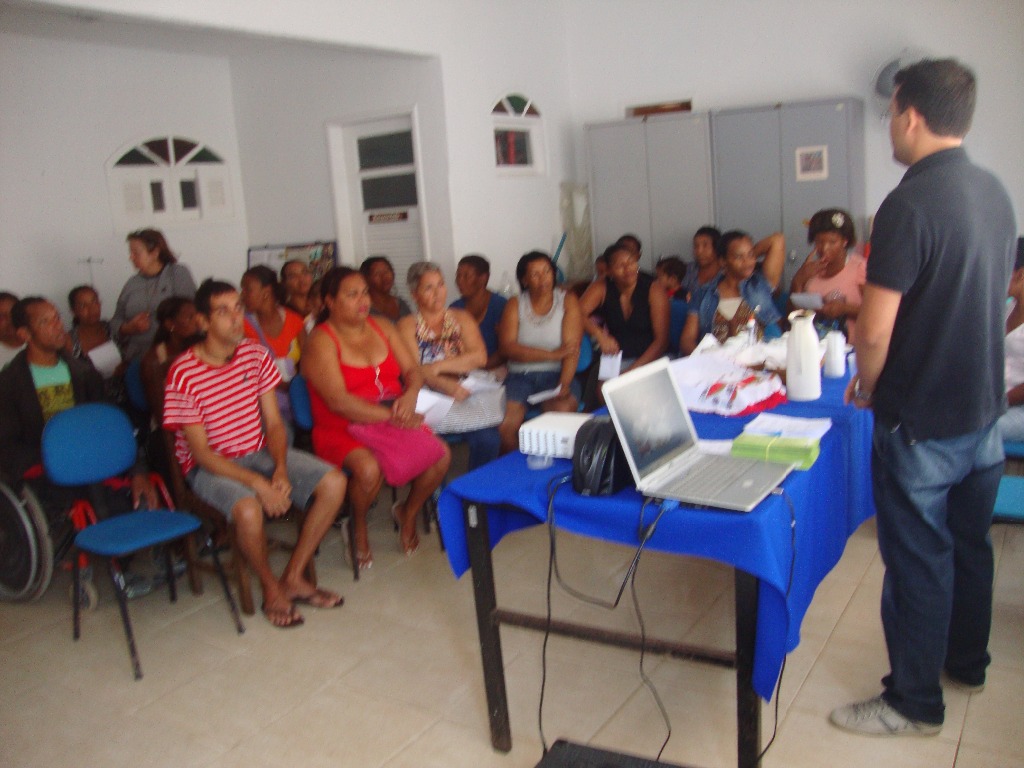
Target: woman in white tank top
x,y
539,335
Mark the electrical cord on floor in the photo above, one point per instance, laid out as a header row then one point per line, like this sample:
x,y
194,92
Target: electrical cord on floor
x,y
789,586
648,683
644,533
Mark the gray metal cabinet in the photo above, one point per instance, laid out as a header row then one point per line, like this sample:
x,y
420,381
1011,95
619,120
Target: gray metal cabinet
x,y
775,166
652,178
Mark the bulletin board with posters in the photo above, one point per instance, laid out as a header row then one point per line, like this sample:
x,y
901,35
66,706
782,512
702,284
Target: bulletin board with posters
x,y
321,256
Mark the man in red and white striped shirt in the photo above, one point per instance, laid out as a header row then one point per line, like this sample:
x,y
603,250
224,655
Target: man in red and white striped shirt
x,y
233,449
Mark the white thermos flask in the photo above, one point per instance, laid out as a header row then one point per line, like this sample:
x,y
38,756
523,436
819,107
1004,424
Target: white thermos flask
x,y
835,354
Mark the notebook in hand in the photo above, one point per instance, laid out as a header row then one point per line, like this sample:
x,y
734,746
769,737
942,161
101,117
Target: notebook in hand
x,y
660,443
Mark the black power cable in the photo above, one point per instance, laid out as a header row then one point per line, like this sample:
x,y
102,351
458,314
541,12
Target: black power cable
x,y
644,533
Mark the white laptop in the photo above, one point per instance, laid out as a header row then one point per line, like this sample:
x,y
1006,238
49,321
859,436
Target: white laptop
x,y
660,443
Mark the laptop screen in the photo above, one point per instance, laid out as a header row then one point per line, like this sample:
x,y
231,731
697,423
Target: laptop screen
x,y
653,425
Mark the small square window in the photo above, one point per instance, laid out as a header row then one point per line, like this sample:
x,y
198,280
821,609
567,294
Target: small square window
x,y
512,147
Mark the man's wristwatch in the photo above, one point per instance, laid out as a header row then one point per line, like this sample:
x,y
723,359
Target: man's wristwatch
x,y
860,394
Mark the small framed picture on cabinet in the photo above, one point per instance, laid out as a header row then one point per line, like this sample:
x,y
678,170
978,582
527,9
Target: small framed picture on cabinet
x,y
812,163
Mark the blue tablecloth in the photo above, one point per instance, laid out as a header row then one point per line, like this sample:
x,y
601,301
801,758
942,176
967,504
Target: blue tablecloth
x,y
831,500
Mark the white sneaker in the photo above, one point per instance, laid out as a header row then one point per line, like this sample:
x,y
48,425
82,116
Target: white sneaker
x,y
875,717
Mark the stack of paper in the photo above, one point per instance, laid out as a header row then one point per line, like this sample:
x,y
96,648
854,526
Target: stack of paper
x,y
801,451
783,439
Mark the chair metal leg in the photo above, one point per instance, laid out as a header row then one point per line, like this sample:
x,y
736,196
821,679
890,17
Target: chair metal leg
x,y
76,595
227,589
172,585
117,579
351,523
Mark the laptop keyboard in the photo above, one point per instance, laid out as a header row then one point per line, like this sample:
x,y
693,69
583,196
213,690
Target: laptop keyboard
x,y
708,477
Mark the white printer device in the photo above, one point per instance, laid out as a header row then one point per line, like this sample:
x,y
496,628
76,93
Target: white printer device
x,y
551,434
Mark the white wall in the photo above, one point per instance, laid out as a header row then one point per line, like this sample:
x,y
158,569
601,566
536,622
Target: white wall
x,y
733,53
486,49
286,95
70,105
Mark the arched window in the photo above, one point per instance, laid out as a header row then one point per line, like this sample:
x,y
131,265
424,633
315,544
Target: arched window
x,y
168,179
518,136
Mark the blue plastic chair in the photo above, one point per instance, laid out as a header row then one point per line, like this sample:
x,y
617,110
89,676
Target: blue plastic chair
x,y
302,408
678,311
1009,506
1013,450
92,443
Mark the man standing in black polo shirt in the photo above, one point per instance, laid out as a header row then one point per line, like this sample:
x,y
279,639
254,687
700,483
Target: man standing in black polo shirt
x,y
930,362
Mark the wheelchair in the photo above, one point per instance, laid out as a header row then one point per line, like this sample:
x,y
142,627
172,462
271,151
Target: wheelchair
x,y
27,549
34,541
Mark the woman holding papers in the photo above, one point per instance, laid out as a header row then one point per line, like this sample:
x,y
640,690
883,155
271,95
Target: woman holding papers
x,y
832,272
91,337
448,344
539,335
360,373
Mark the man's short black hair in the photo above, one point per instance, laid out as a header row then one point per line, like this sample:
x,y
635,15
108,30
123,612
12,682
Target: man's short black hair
x,y
19,312
207,290
477,262
7,296
942,91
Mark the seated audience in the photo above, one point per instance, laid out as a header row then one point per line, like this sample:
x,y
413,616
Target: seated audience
x,y
10,343
634,308
360,372
276,327
632,243
315,303
297,279
539,335
832,272
41,381
706,265
448,345
601,267
177,330
740,291
159,277
234,454
89,331
484,305
380,277
670,273
1011,423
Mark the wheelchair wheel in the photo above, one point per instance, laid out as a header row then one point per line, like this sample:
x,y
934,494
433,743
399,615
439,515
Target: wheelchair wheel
x,y
37,517
19,551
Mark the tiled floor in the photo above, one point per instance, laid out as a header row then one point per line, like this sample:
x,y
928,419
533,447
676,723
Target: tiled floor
x,y
393,678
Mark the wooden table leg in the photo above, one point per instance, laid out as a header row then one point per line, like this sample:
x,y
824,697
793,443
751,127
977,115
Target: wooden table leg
x,y
479,545
748,703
